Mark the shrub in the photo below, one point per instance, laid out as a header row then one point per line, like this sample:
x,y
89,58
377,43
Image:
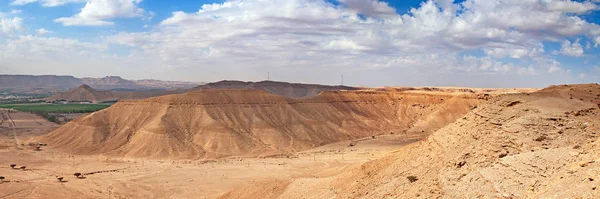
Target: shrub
x,y
78,175
13,166
412,178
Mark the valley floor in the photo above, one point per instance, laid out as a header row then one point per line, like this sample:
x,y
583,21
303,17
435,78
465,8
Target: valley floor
x,y
108,177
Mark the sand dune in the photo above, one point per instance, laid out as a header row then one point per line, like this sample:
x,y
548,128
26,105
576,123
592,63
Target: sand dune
x,y
221,123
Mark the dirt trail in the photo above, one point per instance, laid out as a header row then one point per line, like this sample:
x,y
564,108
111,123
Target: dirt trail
x,y
15,125
7,122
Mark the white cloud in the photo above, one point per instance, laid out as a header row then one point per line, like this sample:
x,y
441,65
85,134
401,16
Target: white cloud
x,y
46,3
96,12
9,26
42,31
12,12
575,49
305,38
370,8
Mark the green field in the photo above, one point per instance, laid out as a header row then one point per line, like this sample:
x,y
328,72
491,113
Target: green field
x,y
56,108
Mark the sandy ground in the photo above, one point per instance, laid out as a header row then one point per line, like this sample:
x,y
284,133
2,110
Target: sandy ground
x,y
109,177
15,126
370,167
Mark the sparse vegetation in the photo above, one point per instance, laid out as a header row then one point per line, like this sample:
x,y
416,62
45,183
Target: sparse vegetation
x,y
48,110
1,179
56,108
60,179
23,167
78,175
13,166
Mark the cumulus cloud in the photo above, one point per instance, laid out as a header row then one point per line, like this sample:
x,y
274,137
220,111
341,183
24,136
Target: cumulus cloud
x,y
313,40
370,8
305,29
9,26
96,12
46,3
12,12
571,49
42,31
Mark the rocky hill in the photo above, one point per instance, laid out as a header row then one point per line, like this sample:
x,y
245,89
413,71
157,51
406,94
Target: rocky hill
x,y
214,123
50,83
85,93
30,84
110,82
289,90
540,145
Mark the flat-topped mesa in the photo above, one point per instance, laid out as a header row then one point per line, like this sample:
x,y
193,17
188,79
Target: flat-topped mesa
x,y
215,123
289,90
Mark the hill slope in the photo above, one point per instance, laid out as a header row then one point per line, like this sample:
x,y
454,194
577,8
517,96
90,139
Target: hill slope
x,y
85,93
289,90
540,145
220,123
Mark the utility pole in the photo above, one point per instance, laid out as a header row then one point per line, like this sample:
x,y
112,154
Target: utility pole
x,y
342,79
268,75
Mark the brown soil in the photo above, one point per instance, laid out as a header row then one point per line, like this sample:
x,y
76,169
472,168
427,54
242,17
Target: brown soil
x,y
223,123
535,145
14,125
540,145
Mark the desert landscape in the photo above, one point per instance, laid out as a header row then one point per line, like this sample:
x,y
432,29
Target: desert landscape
x,y
300,99
363,143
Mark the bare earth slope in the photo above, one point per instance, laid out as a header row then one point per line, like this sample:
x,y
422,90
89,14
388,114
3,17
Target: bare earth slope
x,y
220,123
540,145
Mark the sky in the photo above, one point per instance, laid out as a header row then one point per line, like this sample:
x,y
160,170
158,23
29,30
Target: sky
x,y
471,43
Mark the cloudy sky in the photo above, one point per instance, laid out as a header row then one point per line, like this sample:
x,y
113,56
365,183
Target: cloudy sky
x,y
477,43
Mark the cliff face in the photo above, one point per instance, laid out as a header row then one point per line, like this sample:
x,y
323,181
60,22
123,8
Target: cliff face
x,y
221,123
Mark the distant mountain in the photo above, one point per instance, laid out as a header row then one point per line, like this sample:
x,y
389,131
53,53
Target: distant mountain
x,y
46,84
166,84
109,82
85,93
289,90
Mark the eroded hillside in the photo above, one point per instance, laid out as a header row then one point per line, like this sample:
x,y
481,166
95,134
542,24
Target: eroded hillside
x,y
221,123
540,145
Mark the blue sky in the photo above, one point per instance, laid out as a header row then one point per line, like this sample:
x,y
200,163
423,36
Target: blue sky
x,y
475,43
